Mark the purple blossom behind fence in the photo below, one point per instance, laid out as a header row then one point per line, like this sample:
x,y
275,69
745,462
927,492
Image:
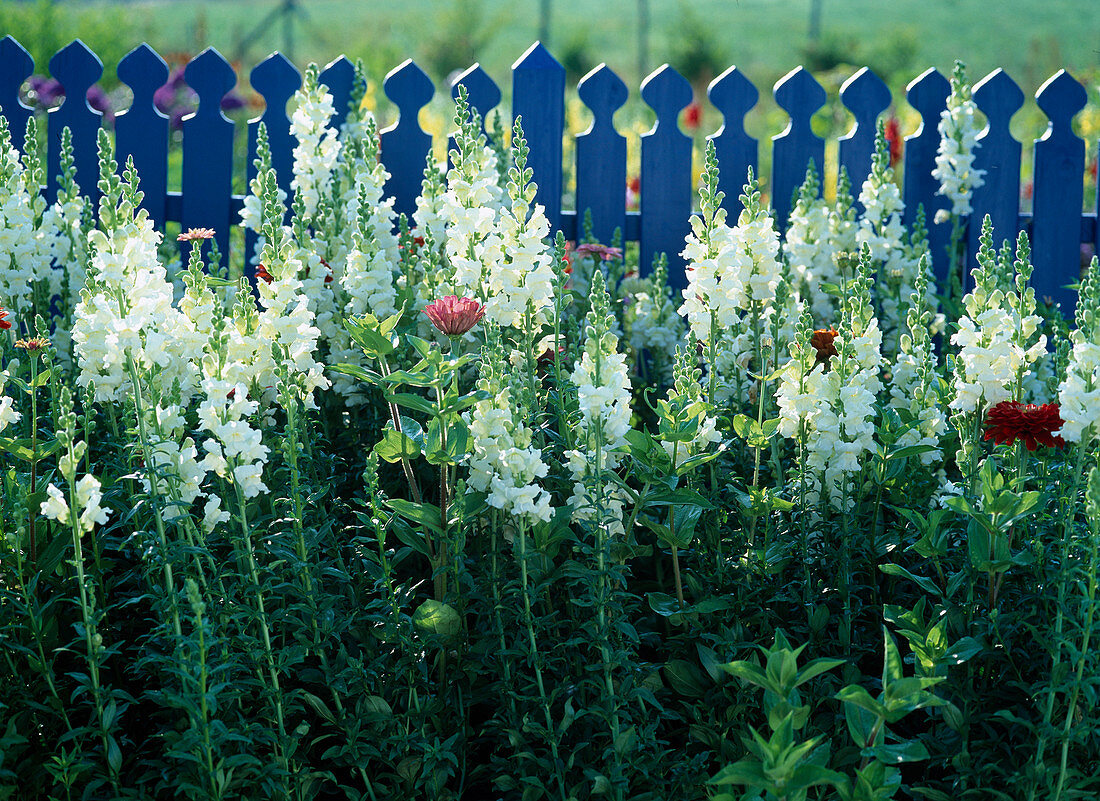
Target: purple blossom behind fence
x,y
1057,225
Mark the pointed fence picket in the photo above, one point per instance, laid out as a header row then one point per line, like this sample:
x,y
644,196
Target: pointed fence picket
x,y
734,96
601,154
1057,224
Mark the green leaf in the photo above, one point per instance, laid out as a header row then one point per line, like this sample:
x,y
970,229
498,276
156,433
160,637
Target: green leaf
x,y
925,584
856,695
410,401
746,772
912,751
439,619
42,378
21,448
396,445
355,371
425,514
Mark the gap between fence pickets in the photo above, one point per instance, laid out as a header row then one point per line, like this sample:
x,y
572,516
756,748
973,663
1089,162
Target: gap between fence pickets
x,y
1059,153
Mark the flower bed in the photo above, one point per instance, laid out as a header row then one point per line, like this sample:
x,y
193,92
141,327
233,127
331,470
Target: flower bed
x,y
442,507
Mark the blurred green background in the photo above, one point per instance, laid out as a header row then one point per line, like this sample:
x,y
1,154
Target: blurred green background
x,y
1031,39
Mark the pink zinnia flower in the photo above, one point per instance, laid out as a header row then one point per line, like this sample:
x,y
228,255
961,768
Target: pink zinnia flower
x,y
599,251
454,316
195,234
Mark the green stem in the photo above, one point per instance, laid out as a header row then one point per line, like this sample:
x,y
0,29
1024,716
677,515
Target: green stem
x,y
536,661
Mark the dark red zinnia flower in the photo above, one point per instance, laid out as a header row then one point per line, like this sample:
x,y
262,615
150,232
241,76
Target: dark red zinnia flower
x,y
5,323
263,274
1010,421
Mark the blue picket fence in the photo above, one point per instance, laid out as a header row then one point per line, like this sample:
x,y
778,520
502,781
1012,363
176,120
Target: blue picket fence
x,y
1057,225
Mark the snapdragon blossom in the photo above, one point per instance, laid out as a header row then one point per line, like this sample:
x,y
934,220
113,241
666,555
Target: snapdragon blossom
x,y
996,336
1079,392
505,464
959,130
810,247
730,271
603,395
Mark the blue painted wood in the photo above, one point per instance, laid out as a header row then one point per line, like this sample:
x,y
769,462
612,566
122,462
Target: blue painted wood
x,y
482,92
734,95
208,149
998,97
276,80
866,96
927,93
538,98
16,65
405,145
800,96
141,131
665,175
77,69
1059,192
601,155
338,76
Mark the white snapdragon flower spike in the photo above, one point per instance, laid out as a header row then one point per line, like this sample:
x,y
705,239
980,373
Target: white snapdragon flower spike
x,y
8,415
685,400
650,320
318,145
469,206
810,247
30,235
881,229
996,336
832,411
88,498
913,380
959,130
603,396
522,280
126,312
505,464
1079,392
730,271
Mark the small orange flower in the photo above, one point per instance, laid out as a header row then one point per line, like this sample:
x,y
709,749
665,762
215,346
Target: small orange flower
x,y
195,234
822,342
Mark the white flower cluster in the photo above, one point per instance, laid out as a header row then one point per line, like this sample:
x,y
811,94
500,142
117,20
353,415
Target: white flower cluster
x,y
913,381
650,321
995,336
685,402
88,498
505,464
8,415
317,145
833,410
603,395
959,130
469,207
881,229
29,235
523,279
811,247
1079,392
126,312
730,271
